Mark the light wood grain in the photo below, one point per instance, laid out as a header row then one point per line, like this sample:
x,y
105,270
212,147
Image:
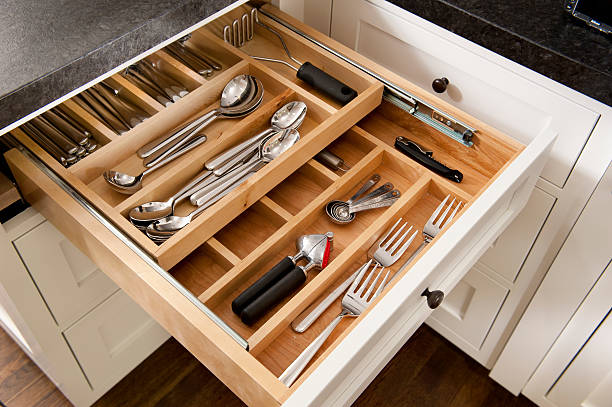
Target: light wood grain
x,y
8,192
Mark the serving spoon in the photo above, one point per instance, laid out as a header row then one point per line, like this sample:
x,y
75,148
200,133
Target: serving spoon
x,y
270,149
248,106
288,117
128,184
235,92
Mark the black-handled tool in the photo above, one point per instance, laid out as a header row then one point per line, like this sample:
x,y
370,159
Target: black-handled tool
x,y
242,32
283,278
414,151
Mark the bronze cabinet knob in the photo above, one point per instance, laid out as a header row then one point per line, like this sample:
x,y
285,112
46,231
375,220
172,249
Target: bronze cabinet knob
x,y
439,85
434,298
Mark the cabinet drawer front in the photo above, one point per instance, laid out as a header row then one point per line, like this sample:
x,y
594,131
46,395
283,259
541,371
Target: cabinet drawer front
x,y
112,339
69,282
470,309
509,250
499,175
422,52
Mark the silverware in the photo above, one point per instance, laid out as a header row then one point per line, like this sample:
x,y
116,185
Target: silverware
x,y
128,184
386,251
198,53
241,96
67,145
290,116
354,302
269,149
145,84
60,155
433,227
331,160
65,127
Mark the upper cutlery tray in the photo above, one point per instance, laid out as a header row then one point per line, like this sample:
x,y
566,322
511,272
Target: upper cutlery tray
x,y
325,120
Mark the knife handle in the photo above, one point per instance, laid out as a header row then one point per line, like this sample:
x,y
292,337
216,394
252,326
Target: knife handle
x,y
411,150
273,295
262,284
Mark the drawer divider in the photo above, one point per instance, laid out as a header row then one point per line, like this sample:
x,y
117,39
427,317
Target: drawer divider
x,y
323,170
276,208
228,256
149,104
284,234
189,78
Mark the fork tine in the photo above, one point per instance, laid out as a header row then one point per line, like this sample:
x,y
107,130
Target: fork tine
x,y
434,215
402,249
367,280
394,239
371,287
381,287
452,215
387,235
443,216
400,240
362,271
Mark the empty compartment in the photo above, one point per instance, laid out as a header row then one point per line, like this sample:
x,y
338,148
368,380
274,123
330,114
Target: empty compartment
x,y
266,44
478,164
250,229
202,268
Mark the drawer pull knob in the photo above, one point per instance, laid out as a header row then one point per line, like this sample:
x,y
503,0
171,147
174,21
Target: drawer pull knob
x,y
434,298
439,85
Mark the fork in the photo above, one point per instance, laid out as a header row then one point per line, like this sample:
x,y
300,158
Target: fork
x,y
433,227
384,255
354,303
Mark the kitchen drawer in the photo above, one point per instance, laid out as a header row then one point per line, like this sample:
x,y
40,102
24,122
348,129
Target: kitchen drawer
x,y
221,257
113,338
68,281
421,52
470,309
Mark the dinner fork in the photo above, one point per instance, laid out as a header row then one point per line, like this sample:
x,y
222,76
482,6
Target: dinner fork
x,y
354,303
433,227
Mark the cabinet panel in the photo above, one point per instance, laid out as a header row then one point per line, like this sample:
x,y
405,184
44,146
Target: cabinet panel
x,y
508,252
69,282
477,86
470,309
113,338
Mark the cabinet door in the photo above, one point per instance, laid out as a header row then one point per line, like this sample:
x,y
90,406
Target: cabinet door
x,y
112,339
578,369
422,52
69,282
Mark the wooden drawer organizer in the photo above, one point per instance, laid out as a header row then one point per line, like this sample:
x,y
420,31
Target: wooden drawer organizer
x,y
242,236
324,121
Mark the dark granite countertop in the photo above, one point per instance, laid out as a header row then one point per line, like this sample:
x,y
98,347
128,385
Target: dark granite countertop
x,y
49,48
540,35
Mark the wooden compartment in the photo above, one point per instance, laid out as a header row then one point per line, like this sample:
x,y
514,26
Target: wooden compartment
x,y
239,238
322,124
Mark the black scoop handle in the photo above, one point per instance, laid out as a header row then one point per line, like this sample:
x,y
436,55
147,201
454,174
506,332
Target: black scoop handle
x,y
427,161
326,83
274,295
262,284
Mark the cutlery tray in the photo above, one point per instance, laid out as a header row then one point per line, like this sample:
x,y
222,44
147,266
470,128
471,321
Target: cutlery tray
x,y
324,121
237,240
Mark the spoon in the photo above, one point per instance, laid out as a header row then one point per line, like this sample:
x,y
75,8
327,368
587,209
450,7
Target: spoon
x,y
288,117
235,92
178,139
270,149
128,184
151,211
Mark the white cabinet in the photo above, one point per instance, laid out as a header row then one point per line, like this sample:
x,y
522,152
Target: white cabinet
x,y
576,289
67,315
70,283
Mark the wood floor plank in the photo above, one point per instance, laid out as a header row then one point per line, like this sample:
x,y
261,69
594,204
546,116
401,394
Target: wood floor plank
x,y
41,393
17,371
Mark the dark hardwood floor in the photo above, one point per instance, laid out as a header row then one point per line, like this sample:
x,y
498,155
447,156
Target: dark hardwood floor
x,y
427,371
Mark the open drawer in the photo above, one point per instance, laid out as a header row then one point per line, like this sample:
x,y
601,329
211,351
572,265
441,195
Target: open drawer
x,y
240,237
